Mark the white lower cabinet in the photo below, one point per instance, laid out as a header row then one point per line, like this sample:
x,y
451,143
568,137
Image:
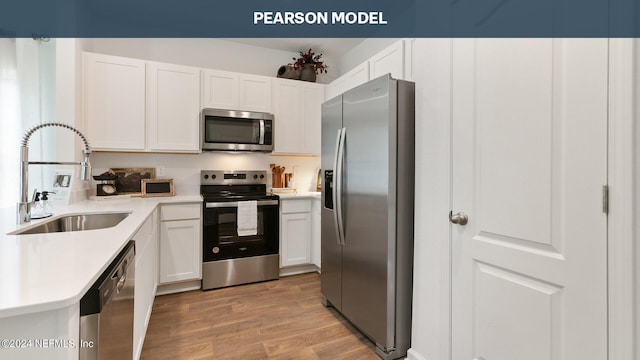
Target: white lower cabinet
x,y
146,240
295,232
296,249
315,232
180,243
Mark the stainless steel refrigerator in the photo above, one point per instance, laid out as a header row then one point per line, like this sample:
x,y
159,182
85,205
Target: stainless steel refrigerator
x,y
367,212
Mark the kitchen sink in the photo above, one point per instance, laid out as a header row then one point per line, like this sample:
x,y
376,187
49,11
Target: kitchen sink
x,y
78,222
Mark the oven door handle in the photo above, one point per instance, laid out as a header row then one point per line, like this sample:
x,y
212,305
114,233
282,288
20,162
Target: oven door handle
x,y
234,204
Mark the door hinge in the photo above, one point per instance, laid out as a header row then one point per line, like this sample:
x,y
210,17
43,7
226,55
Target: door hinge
x,y
605,199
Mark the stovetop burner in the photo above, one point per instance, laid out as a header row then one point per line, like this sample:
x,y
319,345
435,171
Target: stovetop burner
x,y
217,185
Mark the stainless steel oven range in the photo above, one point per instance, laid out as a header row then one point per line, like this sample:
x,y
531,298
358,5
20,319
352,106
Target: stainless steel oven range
x,y
240,234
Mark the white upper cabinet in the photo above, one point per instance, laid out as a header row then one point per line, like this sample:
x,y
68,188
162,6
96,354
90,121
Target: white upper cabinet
x,y
235,91
220,89
136,105
254,93
114,102
357,76
354,77
312,96
173,107
392,60
297,106
389,60
287,125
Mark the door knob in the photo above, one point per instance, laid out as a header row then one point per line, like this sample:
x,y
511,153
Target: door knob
x,y
459,218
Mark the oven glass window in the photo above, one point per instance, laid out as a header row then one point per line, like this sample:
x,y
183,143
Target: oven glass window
x,y
231,130
228,229
220,234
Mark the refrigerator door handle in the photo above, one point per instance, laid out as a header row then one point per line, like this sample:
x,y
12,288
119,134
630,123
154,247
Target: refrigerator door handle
x,y
338,182
334,188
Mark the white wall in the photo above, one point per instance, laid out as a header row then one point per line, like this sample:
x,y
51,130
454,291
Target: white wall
x,y
68,92
185,168
431,289
35,62
206,53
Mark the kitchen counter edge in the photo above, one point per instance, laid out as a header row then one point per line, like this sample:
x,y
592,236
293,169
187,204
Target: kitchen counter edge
x,y
53,271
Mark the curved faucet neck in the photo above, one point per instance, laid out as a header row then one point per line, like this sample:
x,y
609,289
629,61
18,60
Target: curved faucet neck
x,y
32,130
24,206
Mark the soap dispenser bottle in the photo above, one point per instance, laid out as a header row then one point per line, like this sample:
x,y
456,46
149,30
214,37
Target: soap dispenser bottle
x,y
47,209
37,211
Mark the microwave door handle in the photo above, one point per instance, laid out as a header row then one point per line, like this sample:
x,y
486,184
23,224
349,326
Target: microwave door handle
x,y
261,142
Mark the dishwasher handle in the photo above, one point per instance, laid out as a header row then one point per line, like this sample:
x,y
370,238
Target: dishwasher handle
x,y
116,280
121,282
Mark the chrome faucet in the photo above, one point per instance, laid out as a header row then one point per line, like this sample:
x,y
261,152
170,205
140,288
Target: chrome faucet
x,y
24,206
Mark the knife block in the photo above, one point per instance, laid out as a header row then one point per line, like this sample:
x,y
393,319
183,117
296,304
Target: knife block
x,y
277,180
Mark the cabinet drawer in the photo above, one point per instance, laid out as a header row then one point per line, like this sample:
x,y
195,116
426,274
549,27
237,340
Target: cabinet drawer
x,y
295,206
180,212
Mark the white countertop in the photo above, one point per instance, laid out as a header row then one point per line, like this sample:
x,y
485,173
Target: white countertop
x,y
299,195
42,272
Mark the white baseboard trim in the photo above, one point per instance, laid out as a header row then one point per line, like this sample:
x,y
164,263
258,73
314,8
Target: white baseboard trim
x,y
414,355
179,287
298,269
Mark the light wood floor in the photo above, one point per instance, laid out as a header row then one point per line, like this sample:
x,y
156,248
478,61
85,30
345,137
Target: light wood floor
x,y
282,319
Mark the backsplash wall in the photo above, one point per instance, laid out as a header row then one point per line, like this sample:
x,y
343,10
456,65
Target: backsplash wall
x,y
184,169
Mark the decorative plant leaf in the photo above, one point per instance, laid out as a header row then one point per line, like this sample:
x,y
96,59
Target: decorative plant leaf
x,y
310,58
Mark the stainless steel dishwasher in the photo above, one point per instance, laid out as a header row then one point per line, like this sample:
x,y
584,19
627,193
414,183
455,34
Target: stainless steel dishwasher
x,y
106,311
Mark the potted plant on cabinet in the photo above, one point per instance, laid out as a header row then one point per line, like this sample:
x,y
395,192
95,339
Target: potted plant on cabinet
x,y
310,65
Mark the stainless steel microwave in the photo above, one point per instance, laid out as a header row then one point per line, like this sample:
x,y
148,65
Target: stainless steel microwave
x,y
236,130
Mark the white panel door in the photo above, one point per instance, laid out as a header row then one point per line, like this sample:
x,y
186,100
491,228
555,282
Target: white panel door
x,y
180,257
255,93
335,88
312,96
114,102
296,239
356,76
315,233
388,61
529,272
220,89
173,107
287,124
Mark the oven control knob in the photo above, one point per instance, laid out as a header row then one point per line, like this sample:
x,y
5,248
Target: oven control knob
x,y
255,176
262,176
216,250
213,176
206,176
